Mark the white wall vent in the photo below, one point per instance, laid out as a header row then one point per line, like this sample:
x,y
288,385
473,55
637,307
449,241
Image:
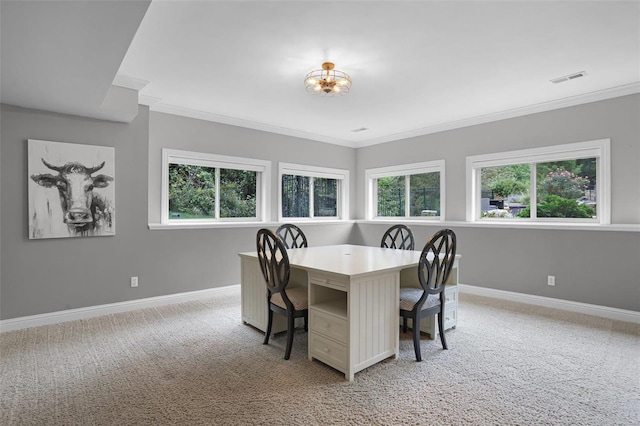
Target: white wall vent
x,y
569,77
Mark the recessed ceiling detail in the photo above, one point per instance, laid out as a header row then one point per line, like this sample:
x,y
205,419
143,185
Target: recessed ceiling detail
x,y
243,65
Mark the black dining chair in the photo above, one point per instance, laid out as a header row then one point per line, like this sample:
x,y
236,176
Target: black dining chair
x,y
290,302
398,237
434,267
291,236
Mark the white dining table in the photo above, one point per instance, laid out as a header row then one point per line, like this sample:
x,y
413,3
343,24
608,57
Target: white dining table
x,y
353,300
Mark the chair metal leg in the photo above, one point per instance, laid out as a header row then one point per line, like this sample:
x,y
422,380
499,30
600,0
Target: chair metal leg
x,y
306,321
268,332
416,337
290,325
404,324
441,328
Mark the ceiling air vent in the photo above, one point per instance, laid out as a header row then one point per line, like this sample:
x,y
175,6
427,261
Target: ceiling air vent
x,y
361,129
569,77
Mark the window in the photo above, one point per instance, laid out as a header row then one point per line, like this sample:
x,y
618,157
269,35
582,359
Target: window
x,y
410,191
208,188
562,183
308,192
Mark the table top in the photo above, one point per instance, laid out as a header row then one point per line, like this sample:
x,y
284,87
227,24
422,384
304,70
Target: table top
x,y
350,260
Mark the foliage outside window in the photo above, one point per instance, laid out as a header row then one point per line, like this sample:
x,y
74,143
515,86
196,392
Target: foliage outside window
x,y
192,192
310,192
413,191
201,187
562,183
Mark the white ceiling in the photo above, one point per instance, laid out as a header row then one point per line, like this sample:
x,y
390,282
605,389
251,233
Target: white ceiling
x,y
417,66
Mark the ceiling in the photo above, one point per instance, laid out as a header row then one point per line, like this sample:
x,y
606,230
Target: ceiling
x,y
63,56
417,66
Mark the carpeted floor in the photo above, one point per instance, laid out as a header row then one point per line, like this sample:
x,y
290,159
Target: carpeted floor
x,y
197,364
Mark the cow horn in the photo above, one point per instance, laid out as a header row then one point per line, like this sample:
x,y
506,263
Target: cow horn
x,y
51,166
95,169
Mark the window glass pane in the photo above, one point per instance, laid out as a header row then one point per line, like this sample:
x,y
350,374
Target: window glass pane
x,y
192,192
391,196
237,193
325,197
504,191
566,189
295,196
424,190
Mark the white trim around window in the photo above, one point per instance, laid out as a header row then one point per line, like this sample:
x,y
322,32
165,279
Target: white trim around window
x,y
341,175
599,149
263,183
371,176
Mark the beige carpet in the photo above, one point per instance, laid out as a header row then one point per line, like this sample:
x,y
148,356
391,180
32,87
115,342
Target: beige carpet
x,y
197,364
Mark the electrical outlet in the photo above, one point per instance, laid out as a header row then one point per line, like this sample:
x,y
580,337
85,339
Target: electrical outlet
x,y
134,281
551,280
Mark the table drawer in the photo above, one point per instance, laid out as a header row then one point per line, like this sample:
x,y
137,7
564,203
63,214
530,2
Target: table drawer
x,y
328,280
328,325
326,350
429,324
451,296
450,317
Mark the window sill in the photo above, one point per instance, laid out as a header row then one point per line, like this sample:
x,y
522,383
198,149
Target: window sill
x,y
221,225
512,225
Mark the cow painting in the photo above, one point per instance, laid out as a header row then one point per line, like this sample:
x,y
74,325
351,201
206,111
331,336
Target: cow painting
x,y
72,200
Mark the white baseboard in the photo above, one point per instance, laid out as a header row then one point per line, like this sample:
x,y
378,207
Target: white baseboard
x,y
111,308
566,305
151,302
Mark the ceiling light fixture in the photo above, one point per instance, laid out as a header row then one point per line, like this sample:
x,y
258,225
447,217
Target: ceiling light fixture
x,y
328,81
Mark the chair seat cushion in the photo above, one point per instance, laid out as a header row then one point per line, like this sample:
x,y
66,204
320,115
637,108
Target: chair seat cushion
x,y
297,295
410,296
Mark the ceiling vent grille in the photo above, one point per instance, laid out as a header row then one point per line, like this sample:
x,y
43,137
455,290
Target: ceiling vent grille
x,y
569,77
361,129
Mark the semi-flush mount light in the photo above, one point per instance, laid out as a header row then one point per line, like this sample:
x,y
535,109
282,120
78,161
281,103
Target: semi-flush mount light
x,y
328,81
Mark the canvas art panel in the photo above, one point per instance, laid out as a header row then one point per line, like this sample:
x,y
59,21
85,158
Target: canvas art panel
x,y
71,190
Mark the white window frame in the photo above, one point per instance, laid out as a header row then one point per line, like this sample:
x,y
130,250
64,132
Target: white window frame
x,y
600,149
341,175
371,188
263,180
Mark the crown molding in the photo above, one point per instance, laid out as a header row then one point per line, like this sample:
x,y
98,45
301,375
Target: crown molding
x,y
600,95
130,82
234,121
149,101
156,104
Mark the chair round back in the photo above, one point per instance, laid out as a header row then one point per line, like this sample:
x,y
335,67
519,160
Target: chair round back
x,y
398,237
436,261
291,236
273,260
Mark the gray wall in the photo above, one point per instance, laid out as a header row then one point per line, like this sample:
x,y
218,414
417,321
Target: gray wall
x,y
171,131
598,267
40,276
